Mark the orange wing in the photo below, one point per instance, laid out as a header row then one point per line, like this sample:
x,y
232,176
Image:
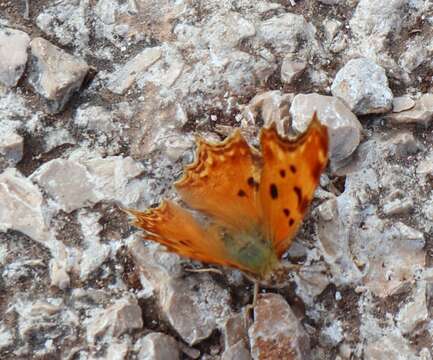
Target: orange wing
x,y
222,183
290,174
175,228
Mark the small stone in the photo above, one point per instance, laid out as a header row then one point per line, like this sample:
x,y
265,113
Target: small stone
x,y
343,126
291,69
409,233
331,27
11,146
404,144
55,74
234,330
277,331
59,276
416,53
22,206
67,182
425,168
363,86
415,311
158,346
271,107
389,346
121,80
398,206
402,103
332,334
237,351
122,317
330,2
13,55
95,118
421,113
6,337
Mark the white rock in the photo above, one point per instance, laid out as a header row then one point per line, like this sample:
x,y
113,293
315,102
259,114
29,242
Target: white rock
x,y
67,182
55,74
363,86
11,146
226,31
389,346
121,80
22,206
6,337
421,113
402,103
157,346
343,126
13,55
66,21
291,69
416,53
97,118
287,33
121,317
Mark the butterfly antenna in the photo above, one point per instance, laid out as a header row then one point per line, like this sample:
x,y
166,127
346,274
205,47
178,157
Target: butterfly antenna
x,y
210,270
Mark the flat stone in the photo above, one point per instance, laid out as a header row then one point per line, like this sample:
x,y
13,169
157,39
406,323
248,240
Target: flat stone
x,y
55,74
425,168
67,182
343,126
237,351
286,33
402,103
271,107
404,144
415,311
398,206
363,86
11,146
22,206
121,317
158,346
6,337
421,113
415,54
121,80
389,346
13,55
292,69
206,309
277,331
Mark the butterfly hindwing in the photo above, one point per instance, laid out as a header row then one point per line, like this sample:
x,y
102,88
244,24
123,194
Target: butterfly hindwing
x,y
289,177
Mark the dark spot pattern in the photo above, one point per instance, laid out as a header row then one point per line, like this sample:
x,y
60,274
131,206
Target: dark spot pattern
x,y
298,192
241,193
304,204
283,173
291,222
293,169
273,191
286,212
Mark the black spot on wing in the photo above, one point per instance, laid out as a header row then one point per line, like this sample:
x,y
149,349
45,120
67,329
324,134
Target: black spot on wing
x,y
293,169
241,193
273,191
283,173
291,222
286,212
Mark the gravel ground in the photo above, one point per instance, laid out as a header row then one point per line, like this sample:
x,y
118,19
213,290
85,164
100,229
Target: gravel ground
x,y
100,103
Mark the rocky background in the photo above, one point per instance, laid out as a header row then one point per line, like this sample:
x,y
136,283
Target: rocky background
x,y
99,104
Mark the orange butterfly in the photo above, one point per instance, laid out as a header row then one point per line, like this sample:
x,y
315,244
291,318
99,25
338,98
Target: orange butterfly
x,y
255,202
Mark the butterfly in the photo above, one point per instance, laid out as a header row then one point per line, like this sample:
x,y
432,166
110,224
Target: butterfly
x,y
254,201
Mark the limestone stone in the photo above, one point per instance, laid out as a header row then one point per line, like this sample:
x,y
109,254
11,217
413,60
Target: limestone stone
x,y
121,80
13,55
158,346
415,311
22,206
11,146
67,182
402,103
421,113
291,69
363,86
276,330
55,74
343,126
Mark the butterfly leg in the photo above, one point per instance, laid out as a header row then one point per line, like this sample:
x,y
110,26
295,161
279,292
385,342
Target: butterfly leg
x,y
211,270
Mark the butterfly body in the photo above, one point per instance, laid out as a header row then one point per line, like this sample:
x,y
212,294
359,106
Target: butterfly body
x,y
255,202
